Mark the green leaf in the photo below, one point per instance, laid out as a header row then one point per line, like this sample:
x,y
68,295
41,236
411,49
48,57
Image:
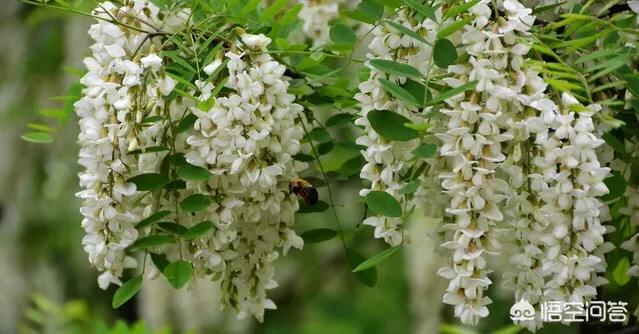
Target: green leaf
x,y
287,28
391,4
616,185
269,13
543,49
126,291
152,218
541,9
399,92
452,92
444,53
383,203
425,151
74,71
367,277
40,127
74,93
367,11
249,7
563,85
53,113
418,127
454,27
342,34
414,172
172,227
160,261
633,84
175,185
151,149
198,230
427,11
377,259
371,8
391,67
320,206
351,167
182,82
193,173
410,188
415,89
390,125
177,159
616,144
178,59
178,273
620,273
304,157
186,123
339,119
151,241
325,148
38,137
453,11
150,181
290,19
406,31
352,147
195,203
612,63
318,235
579,42
597,54
220,85
319,135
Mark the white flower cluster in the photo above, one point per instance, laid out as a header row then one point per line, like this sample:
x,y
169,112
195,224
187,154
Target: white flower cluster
x,y
317,14
387,161
247,140
485,132
115,101
567,179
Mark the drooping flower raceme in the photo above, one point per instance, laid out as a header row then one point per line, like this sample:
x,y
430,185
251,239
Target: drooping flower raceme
x,y
247,140
115,102
568,178
488,138
387,161
317,14
481,123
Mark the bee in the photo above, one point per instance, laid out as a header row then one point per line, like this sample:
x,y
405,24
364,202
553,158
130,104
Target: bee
x,y
305,190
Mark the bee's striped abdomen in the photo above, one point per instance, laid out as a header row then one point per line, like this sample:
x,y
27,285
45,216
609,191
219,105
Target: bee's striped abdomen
x,y
310,195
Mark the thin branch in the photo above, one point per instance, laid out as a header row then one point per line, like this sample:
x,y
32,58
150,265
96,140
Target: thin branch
x,y
76,11
328,185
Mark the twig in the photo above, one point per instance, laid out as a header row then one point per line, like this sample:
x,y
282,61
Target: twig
x,y
328,185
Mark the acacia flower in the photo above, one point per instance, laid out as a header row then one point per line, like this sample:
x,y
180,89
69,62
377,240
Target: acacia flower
x,y
247,139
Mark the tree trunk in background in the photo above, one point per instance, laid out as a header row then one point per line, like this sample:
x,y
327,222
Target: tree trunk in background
x,y
422,263
13,288
193,308
24,168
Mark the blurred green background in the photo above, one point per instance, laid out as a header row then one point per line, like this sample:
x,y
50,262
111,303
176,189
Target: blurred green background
x,y
46,282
